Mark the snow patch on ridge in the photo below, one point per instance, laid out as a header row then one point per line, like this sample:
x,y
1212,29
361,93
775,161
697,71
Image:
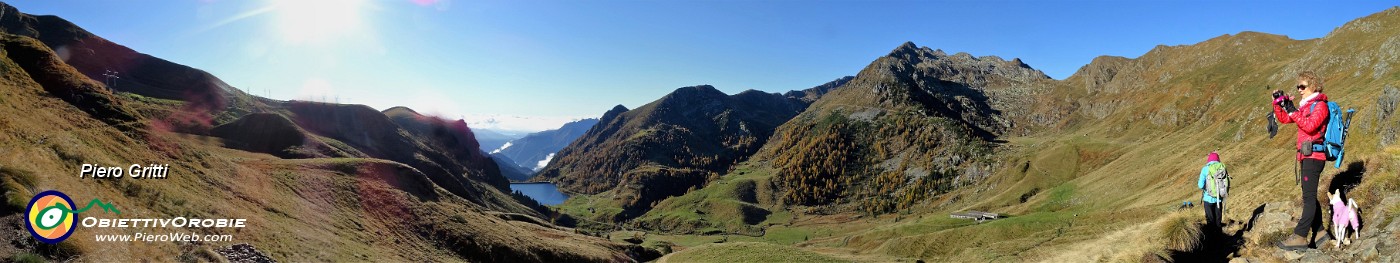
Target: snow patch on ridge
x,y
544,162
503,147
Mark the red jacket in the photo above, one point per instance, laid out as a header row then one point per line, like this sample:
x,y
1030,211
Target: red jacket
x,y
1312,121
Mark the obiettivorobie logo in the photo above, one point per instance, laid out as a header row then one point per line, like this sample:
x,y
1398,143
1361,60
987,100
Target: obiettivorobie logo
x,y
51,215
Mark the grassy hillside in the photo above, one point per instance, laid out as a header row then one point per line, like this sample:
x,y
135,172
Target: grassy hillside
x,y
274,134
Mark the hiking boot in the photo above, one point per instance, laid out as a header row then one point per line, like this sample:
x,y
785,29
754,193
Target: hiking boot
x,y
1294,243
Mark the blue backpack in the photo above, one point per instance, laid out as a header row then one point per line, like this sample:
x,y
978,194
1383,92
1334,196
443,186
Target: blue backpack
x,y
1334,138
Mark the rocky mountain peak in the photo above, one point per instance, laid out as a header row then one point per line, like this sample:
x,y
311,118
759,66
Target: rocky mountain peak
x,y
695,92
613,113
961,65
906,49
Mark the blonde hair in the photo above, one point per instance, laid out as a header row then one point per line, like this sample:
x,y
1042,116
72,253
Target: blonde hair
x,y
1314,82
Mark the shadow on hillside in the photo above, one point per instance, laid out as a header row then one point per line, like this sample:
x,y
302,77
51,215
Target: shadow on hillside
x,y
1252,217
959,102
1347,179
1216,246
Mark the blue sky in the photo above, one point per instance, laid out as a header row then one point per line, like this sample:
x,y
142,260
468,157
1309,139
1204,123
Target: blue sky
x,y
531,65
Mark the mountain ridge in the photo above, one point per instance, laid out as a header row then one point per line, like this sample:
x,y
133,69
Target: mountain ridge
x,y
535,149
666,146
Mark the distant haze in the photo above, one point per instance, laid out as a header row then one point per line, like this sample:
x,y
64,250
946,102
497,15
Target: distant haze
x,y
519,125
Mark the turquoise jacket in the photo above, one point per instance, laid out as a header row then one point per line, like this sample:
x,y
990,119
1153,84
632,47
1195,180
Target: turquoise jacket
x,y
1205,175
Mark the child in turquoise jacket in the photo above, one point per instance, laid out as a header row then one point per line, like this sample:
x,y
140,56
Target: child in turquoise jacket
x,y
1210,203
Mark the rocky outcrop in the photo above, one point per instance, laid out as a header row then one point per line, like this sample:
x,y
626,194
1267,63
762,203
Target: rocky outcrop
x,y
1379,242
244,253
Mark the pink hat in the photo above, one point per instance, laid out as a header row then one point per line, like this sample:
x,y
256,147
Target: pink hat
x,y
1213,157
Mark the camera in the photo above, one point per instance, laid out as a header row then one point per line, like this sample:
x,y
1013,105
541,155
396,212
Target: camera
x,y
1286,102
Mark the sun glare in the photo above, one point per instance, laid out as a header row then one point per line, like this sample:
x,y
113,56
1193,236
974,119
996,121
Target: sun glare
x,y
315,21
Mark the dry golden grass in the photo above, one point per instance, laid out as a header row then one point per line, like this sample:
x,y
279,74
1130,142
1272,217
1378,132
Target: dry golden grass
x,y
1180,231
1175,231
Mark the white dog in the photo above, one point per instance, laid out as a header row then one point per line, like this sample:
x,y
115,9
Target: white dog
x,y
1344,217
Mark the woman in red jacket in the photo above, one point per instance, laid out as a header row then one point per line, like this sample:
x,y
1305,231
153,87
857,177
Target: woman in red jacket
x,y
1311,117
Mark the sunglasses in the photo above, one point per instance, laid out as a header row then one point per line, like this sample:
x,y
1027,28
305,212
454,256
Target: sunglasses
x,y
1301,87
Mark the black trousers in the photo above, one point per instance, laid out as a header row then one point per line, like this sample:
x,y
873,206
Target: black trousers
x,y
1311,218
1212,217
